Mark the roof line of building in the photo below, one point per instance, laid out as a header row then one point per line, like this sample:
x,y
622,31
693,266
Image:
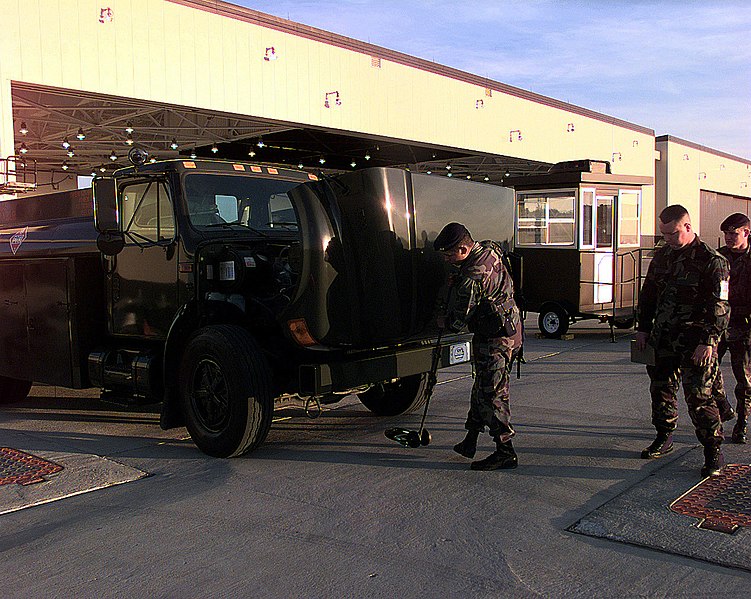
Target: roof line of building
x,y
255,17
695,146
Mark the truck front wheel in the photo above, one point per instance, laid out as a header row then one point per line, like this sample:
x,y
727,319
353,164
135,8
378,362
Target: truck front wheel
x,y
225,390
13,390
404,395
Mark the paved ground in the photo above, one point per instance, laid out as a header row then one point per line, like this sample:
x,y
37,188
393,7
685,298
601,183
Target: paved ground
x,y
331,508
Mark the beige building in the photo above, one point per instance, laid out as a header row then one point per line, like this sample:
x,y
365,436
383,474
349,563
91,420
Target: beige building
x,y
190,76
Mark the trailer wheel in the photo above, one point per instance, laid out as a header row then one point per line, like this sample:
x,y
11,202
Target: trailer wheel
x,y
13,390
553,321
404,395
225,391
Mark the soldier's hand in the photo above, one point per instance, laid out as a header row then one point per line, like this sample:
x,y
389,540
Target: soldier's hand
x,y
641,341
702,355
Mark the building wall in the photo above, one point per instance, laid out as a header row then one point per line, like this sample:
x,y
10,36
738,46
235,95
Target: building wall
x,y
187,53
686,170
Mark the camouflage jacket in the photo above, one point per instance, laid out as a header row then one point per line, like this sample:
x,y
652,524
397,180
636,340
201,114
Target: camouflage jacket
x,y
683,301
740,288
482,285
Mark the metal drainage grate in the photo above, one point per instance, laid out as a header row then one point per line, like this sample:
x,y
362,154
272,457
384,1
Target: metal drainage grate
x,y
722,502
23,468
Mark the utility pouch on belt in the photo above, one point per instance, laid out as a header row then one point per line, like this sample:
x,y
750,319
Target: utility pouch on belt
x,y
494,321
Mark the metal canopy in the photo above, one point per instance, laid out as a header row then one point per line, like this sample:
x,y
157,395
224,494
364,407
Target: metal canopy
x,y
53,116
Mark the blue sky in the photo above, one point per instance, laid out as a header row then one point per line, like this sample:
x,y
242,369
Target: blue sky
x,y
679,67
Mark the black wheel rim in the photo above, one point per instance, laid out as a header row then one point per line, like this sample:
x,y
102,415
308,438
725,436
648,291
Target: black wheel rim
x,y
209,396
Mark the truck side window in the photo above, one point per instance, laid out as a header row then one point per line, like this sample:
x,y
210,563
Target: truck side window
x,y
147,211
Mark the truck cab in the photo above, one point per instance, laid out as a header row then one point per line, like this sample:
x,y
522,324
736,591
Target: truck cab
x,y
215,287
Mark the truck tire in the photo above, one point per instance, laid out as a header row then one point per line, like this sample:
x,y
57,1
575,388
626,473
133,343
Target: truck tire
x,y
399,397
225,391
13,390
553,321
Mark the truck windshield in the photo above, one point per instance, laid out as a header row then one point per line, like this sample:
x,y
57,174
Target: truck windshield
x,y
242,201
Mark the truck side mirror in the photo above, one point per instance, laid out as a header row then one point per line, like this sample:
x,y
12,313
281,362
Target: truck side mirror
x,y
107,217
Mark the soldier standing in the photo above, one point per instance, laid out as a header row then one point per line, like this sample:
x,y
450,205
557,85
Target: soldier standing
x,y
483,300
683,312
736,229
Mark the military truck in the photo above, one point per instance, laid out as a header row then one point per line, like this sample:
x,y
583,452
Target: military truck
x,y
217,288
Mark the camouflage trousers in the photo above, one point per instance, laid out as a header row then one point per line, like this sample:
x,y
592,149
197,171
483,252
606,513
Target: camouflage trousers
x,y
740,360
665,380
489,402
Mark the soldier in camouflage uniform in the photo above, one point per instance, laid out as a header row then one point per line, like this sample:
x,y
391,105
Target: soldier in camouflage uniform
x,y
482,299
738,253
683,312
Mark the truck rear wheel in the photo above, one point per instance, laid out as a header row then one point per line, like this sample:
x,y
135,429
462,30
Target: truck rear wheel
x,y
13,390
399,397
225,390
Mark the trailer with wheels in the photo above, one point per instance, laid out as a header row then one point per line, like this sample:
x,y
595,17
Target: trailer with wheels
x,y
578,231
216,288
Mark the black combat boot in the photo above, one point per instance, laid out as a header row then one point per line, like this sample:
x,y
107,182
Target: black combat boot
x,y
468,446
727,413
662,445
503,458
713,460
739,433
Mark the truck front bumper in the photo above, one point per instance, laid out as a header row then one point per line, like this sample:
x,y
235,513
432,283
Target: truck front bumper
x,y
319,379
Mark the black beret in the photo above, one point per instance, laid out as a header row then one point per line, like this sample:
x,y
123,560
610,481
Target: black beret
x,y
735,221
450,236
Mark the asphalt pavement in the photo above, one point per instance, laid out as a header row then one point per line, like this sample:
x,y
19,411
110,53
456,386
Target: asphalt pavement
x,y
329,507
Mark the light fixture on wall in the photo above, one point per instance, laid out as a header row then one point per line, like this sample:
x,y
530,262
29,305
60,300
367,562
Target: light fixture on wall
x,y
367,155
300,165
70,152
260,143
353,164
152,160
129,140
449,174
129,127
251,153
80,135
448,167
102,168
322,160
428,172
174,145
113,156
214,148
66,143
24,129
486,178
23,149
65,166
193,154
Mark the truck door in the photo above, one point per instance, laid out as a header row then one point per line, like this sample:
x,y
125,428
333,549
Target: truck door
x,y
143,285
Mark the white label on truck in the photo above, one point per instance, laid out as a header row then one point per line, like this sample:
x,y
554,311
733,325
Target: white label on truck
x,y
227,270
250,262
459,353
210,272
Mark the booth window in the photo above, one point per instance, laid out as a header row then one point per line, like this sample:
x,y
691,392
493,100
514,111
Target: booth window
x,y
628,234
546,218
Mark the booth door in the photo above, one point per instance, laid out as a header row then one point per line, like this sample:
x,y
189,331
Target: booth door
x,y
603,256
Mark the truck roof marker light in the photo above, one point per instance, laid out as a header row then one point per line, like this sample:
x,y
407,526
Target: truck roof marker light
x,y
238,167
300,333
256,169
187,164
272,171
312,177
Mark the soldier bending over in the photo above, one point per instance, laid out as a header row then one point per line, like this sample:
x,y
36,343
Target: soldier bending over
x,y
483,300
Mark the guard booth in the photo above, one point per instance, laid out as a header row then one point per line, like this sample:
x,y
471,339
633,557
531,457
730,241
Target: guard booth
x,y
577,230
